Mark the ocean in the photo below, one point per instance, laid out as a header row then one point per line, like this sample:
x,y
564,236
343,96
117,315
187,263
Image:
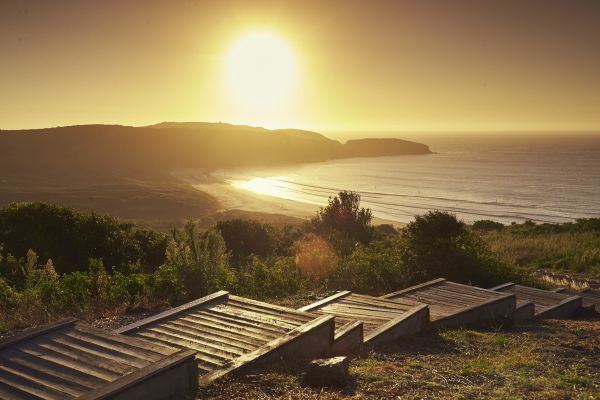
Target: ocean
x,y
543,178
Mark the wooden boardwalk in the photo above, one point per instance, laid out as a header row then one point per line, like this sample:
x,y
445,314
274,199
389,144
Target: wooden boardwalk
x,y
590,298
548,304
383,320
229,333
453,305
71,360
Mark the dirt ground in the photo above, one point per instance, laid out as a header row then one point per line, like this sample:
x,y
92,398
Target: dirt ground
x,y
542,360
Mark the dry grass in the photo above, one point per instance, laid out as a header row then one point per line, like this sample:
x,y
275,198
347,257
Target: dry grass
x,y
570,251
550,360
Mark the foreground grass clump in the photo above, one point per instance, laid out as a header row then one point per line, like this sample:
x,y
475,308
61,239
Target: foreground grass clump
x,y
550,360
571,247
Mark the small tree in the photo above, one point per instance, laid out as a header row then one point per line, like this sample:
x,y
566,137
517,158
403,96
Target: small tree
x,y
344,214
245,238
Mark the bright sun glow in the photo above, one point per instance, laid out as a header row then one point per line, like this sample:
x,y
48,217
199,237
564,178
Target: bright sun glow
x,y
273,186
260,70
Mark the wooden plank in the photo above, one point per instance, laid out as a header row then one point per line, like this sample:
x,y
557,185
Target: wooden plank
x,y
268,315
490,312
413,288
548,304
309,340
8,392
45,379
138,345
407,324
320,303
524,312
151,334
215,297
32,387
19,357
221,327
105,363
503,286
275,307
81,346
11,341
217,338
564,309
256,318
154,370
224,348
70,361
347,339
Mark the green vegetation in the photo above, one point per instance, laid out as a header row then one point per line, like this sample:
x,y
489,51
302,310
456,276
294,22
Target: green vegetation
x,y
57,262
571,247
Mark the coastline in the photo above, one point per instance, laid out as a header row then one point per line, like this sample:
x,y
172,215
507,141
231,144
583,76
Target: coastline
x,y
234,202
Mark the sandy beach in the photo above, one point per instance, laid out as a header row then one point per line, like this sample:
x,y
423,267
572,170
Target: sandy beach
x,y
232,198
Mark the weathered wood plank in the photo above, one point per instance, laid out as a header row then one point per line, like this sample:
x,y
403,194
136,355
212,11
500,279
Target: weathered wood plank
x,y
215,297
11,341
347,338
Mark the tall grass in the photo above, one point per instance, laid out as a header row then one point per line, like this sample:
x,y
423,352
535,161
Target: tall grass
x,y
576,252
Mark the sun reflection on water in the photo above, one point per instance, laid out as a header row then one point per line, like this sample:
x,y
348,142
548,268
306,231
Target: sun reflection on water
x,y
275,186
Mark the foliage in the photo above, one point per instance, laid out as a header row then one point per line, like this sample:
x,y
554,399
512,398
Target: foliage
x,y
344,216
438,245
245,238
71,238
375,268
263,281
571,247
199,262
487,225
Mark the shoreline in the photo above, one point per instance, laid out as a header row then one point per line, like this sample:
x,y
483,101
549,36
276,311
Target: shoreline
x,y
232,199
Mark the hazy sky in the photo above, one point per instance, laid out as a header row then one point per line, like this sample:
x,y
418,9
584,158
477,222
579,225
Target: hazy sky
x,y
358,65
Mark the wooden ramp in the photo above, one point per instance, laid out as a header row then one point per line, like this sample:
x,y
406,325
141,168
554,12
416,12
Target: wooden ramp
x,y
383,320
548,304
229,333
453,305
590,297
71,360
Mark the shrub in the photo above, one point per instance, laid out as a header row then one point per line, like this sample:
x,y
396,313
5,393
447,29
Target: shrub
x,y
71,238
244,238
374,268
344,214
438,245
263,281
487,225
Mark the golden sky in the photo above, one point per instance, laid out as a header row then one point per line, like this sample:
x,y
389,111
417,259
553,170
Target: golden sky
x,y
362,66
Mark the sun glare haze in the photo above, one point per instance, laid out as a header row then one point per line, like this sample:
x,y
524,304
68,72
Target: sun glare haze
x,y
260,71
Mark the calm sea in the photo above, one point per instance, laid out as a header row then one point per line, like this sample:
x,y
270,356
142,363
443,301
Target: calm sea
x,y
511,178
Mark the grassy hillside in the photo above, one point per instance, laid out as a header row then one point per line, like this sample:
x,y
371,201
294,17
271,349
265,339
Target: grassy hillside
x,y
572,248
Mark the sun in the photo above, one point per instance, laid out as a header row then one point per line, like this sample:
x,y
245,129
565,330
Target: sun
x,y
260,69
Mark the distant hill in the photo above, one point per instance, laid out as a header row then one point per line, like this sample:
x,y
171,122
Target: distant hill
x,y
106,150
125,171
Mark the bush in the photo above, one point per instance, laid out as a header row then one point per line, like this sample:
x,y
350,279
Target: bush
x,y
375,268
262,281
71,238
245,238
344,215
487,225
438,245
197,264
